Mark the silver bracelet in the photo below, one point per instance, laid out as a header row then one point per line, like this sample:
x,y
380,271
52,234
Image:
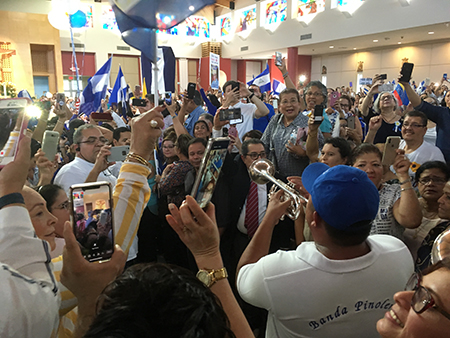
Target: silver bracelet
x,y
404,189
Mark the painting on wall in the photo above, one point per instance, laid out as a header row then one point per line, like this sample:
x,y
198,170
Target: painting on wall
x,y
274,12
246,19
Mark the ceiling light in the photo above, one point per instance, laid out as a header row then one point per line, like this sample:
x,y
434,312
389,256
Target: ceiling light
x,y
331,46
399,43
375,40
354,48
191,8
430,33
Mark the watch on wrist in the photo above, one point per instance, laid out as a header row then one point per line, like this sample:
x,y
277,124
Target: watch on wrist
x,y
211,276
251,96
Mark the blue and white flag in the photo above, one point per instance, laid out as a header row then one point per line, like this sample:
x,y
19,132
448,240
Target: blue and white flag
x,y
278,87
24,93
139,19
95,91
166,70
262,80
119,93
421,88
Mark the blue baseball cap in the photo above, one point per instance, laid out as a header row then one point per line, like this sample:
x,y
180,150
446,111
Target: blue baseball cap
x,y
341,195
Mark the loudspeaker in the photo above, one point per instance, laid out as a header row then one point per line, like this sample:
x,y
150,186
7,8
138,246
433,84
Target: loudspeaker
x,y
232,5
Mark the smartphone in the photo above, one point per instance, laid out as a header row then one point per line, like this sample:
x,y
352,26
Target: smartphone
x,y
13,126
386,87
445,76
168,98
102,116
406,72
235,85
233,115
334,96
139,102
61,98
275,104
50,144
92,219
318,114
351,122
278,59
208,174
232,131
389,152
382,77
191,90
118,153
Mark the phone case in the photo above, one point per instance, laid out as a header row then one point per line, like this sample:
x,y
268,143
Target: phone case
x,y
50,144
390,147
208,174
118,153
92,219
351,122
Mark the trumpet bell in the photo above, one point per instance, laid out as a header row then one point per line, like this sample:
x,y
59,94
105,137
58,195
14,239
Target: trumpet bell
x,y
441,247
259,170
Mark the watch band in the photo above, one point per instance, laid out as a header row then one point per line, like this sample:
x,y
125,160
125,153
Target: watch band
x,y
13,198
251,96
210,276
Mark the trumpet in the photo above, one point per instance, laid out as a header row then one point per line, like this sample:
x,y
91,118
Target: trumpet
x,y
262,171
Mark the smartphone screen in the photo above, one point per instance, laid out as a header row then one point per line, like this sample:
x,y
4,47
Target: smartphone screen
x,y
209,171
12,127
61,98
191,90
383,77
92,219
278,59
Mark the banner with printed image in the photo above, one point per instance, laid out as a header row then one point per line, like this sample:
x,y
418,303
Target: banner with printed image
x,y
214,70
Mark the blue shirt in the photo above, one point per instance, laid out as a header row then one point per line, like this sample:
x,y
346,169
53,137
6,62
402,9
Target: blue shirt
x,y
192,118
261,123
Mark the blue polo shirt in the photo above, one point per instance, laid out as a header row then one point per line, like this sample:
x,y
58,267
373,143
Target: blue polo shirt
x,y
192,118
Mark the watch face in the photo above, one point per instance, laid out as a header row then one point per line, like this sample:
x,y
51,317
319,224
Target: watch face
x,y
204,277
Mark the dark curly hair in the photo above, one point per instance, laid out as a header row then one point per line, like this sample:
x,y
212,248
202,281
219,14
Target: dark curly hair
x,y
159,300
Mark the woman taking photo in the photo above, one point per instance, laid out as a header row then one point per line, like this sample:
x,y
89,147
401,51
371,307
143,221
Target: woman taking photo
x,y
286,134
399,207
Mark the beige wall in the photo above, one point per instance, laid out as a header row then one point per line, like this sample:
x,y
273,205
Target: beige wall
x,y
430,60
23,29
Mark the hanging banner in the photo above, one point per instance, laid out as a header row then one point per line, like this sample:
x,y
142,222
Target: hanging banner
x,y
214,66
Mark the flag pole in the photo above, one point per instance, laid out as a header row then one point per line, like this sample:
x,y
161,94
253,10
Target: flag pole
x,y
155,70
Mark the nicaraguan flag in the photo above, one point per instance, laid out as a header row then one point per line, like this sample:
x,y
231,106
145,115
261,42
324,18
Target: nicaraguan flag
x,y
95,91
262,80
139,19
166,70
119,93
421,88
278,87
400,95
24,93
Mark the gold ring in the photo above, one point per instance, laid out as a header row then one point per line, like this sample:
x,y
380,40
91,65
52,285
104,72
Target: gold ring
x,y
154,124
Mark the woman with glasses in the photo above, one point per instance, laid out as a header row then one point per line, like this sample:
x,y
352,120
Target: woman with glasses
x,y
423,309
58,205
285,136
430,178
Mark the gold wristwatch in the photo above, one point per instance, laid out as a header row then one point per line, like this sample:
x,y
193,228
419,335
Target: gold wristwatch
x,y
210,276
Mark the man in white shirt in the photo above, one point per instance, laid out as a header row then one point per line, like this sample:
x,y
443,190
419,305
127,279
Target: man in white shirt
x,y
342,283
90,163
232,93
416,149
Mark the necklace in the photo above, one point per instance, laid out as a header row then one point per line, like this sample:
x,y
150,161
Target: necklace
x,y
389,121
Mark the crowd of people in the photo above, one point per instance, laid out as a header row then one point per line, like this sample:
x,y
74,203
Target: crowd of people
x,y
365,230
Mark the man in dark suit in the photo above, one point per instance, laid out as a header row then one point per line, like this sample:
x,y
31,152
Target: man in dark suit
x,y
232,200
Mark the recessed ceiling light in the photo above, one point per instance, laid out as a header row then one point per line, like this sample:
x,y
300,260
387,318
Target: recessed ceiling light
x,y
430,33
354,48
331,46
191,8
375,40
399,43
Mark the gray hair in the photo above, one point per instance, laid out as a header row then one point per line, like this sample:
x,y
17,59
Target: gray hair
x,y
376,104
321,87
78,134
207,117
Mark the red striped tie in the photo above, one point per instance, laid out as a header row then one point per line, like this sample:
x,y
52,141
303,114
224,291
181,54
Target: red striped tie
x,y
251,210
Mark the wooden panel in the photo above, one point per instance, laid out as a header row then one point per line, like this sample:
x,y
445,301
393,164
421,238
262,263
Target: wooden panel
x,y
39,61
192,71
130,70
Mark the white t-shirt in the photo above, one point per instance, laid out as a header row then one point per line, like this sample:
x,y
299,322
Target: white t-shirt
x,y
426,152
309,295
77,171
384,222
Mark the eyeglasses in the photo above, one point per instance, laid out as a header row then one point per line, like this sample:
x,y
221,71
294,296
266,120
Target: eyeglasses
x,y
345,105
64,205
314,94
387,97
413,125
422,299
293,101
168,147
436,180
94,140
254,156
